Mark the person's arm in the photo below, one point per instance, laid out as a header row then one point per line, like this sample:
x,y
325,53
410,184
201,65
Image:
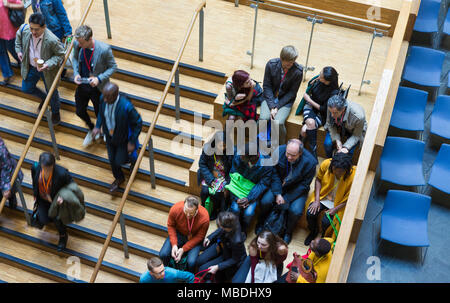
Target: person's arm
x,y
292,92
268,87
67,178
75,58
204,169
336,209
58,55
135,122
312,102
237,251
262,185
172,227
184,277
18,44
276,186
356,135
335,136
302,187
110,64
5,175
61,14
197,238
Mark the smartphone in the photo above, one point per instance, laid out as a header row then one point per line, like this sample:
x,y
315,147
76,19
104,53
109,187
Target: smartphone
x,y
85,80
294,269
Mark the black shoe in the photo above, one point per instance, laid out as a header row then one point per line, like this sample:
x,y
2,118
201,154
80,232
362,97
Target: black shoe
x,y
309,238
35,222
56,119
40,107
13,202
62,242
63,74
287,238
259,229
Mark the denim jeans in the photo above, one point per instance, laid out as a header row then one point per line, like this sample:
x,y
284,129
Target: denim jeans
x,y
245,214
5,64
328,146
29,87
166,252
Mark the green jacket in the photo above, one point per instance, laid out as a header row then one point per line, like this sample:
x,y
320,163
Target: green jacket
x,y
52,52
72,209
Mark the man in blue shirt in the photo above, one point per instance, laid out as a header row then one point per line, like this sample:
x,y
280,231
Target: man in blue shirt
x,y
157,273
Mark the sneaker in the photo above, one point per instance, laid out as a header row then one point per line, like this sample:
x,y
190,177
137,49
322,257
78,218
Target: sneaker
x,y
104,138
88,140
56,119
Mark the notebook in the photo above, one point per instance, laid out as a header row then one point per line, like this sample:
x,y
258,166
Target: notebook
x,y
327,203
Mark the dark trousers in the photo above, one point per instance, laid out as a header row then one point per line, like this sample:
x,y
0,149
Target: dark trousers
x,y
328,146
211,257
217,200
118,155
166,252
5,64
83,94
313,225
41,215
245,214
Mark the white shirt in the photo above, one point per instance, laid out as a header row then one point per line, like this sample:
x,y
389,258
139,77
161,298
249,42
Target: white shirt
x,y
35,49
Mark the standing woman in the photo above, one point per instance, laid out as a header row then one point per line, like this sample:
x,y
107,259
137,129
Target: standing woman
x,y
7,37
48,178
319,90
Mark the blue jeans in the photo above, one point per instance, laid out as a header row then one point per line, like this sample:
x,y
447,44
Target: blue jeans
x,y
166,252
295,210
5,64
29,87
245,214
328,146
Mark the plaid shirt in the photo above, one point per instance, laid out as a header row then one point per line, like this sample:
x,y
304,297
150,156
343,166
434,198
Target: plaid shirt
x,y
7,166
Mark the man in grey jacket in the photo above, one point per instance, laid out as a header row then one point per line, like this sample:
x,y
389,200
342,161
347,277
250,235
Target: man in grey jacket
x,y
346,125
93,65
35,42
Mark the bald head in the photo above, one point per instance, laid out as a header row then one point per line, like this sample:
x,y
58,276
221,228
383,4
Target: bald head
x,y
110,92
294,149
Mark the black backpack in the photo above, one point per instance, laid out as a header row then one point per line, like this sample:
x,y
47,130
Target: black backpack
x,y
276,221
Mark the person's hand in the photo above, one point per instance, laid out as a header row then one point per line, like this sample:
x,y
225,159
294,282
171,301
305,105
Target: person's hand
x,y
49,199
7,193
93,81
294,275
243,203
239,97
206,242
95,131
338,145
60,200
130,147
314,207
77,79
179,255
332,211
213,269
273,112
344,150
279,200
20,55
174,251
44,67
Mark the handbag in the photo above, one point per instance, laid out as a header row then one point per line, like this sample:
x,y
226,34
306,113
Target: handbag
x,y
17,17
304,267
200,277
181,265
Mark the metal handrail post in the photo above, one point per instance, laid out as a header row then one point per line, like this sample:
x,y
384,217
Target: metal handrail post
x,y
177,95
375,34
24,204
314,20
52,133
108,24
201,31
252,53
124,236
151,158
236,3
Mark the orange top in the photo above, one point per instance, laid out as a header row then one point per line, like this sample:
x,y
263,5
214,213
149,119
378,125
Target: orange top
x,y
198,226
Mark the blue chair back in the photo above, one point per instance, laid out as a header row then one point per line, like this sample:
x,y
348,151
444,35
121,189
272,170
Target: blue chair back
x,y
440,123
427,17
424,66
440,172
409,109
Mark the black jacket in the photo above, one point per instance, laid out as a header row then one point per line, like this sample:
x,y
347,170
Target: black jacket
x,y
288,90
233,247
60,178
206,166
303,172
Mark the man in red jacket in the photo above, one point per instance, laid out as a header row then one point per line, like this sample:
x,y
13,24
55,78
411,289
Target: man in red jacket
x,y
187,226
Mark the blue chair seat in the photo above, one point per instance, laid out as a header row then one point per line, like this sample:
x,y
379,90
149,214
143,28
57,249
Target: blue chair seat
x,y
404,219
401,161
440,172
440,122
424,66
409,109
427,17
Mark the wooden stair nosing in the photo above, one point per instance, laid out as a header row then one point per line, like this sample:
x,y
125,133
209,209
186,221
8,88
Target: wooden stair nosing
x,y
104,187
159,130
119,51
92,159
85,259
35,268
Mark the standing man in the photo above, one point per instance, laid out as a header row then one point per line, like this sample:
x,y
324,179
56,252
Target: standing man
x,y
121,124
282,79
291,178
55,16
92,60
35,42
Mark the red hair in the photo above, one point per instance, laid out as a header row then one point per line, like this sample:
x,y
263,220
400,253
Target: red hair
x,y
239,77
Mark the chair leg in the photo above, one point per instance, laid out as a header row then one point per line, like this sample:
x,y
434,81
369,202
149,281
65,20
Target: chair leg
x,y
375,243
423,255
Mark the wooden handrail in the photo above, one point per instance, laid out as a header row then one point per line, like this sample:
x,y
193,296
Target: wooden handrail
x,y
378,25
44,106
343,251
146,141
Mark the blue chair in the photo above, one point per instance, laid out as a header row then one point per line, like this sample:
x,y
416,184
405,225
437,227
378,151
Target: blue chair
x,y
427,17
404,220
446,29
440,172
424,66
401,161
440,122
409,109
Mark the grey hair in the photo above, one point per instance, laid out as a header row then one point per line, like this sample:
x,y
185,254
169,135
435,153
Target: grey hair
x,y
296,141
84,32
191,201
337,102
288,53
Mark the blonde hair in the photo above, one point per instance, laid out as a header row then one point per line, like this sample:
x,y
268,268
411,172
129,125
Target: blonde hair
x,y
288,53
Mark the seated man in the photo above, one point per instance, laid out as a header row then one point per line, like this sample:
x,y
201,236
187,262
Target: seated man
x,y
282,79
249,179
187,226
346,125
292,175
157,273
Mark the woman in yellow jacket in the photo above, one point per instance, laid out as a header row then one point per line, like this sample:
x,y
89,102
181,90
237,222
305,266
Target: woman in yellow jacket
x,y
332,187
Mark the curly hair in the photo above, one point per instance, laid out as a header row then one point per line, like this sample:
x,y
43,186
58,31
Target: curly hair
x,y
342,160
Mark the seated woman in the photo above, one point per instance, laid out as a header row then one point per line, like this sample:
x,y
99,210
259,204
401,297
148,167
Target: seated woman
x,y
332,187
213,173
319,90
225,250
242,97
264,248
